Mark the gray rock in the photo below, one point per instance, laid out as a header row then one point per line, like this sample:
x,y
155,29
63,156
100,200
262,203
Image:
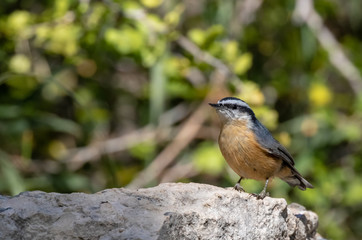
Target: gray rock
x,y
168,211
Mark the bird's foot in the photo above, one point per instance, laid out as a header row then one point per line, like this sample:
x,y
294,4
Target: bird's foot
x,y
239,188
261,195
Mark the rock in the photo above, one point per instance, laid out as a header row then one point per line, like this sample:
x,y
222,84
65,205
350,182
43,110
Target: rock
x,y
168,211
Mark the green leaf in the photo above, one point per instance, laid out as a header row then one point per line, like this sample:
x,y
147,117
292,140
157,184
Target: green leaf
x,y
20,63
59,124
8,111
12,178
126,40
198,36
157,90
208,159
243,63
17,22
145,150
152,3
353,192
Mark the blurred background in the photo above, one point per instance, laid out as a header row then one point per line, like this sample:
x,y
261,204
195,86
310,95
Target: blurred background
x,y
114,93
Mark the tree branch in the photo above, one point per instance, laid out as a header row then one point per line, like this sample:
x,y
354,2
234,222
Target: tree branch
x,y
304,12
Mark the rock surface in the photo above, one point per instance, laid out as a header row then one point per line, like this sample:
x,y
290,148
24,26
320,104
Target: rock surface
x,y
168,211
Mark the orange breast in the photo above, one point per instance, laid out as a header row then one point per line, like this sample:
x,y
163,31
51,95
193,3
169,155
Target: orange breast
x,y
244,155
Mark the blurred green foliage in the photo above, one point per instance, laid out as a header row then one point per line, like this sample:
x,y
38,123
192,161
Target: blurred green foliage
x,y
77,73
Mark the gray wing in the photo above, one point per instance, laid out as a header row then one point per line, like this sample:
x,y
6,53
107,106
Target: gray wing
x,y
266,140
273,147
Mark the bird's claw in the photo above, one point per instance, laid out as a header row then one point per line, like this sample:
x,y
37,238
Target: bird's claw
x,y
261,195
239,188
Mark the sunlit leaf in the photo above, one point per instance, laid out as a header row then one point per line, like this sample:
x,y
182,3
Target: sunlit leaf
x,y
268,117
61,39
173,17
143,150
61,7
17,22
126,40
57,149
198,36
252,94
231,51
319,95
20,63
243,63
208,159
152,3
353,193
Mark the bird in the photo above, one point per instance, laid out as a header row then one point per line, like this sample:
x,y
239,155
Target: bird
x,y
250,149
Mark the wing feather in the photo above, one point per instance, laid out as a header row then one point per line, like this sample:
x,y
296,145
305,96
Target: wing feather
x,y
271,145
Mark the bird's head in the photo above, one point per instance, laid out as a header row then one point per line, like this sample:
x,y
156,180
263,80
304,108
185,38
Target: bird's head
x,y
233,109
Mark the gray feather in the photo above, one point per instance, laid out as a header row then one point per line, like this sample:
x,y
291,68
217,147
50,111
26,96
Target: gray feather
x,y
269,143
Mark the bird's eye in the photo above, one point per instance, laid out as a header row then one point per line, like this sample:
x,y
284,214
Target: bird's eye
x,y
234,106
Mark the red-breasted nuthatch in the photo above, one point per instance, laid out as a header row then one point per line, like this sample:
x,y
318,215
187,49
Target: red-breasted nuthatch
x,y
250,149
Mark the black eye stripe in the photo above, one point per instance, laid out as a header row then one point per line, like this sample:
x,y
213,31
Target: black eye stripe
x,y
236,106
232,106
239,109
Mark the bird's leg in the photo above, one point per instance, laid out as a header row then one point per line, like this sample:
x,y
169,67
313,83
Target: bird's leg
x,y
238,187
263,193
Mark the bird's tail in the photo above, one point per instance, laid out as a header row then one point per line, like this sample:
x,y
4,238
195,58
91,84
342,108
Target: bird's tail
x,y
297,180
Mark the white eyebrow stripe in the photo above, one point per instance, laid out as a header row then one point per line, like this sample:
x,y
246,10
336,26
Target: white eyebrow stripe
x,y
233,101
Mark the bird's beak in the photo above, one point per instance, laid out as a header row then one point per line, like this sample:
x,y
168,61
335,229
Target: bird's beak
x,y
214,105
